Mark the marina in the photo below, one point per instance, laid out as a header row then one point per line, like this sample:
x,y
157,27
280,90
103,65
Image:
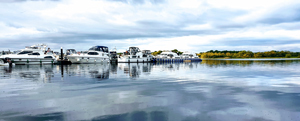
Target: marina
x,y
149,60
38,54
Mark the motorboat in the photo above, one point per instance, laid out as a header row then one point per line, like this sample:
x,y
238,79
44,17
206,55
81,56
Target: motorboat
x,y
148,53
168,54
186,55
134,55
113,56
96,54
35,54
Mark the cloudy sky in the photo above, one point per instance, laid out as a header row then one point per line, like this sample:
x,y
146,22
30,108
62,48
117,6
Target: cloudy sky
x,y
187,25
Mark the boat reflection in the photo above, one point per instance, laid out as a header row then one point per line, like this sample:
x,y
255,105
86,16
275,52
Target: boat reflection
x,y
45,73
134,70
97,71
30,72
177,65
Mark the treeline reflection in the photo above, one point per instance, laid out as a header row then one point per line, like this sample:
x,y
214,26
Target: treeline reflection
x,y
243,63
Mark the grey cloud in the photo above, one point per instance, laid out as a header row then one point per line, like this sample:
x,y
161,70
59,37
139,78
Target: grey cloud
x,y
283,15
256,42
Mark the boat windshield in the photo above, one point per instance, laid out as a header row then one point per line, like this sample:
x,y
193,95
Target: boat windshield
x,y
31,47
71,50
24,52
100,48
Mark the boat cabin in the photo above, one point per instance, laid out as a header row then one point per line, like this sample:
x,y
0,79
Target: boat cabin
x,y
147,52
71,51
134,50
100,48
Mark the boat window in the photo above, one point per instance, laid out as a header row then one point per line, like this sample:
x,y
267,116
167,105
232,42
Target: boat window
x,y
34,54
99,48
24,52
105,49
48,57
171,55
71,50
93,53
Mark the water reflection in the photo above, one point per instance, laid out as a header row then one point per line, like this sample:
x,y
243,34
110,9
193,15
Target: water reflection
x,y
223,63
210,90
134,70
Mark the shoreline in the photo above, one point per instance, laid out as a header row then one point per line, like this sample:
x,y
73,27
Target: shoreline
x,y
250,58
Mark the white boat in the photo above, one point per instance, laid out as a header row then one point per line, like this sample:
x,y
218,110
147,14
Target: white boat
x,y
168,54
134,55
35,54
148,53
96,54
113,56
186,55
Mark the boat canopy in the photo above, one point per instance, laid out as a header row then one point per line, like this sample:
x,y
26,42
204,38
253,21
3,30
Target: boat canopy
x,y
71,50
146,51
134,50
100,48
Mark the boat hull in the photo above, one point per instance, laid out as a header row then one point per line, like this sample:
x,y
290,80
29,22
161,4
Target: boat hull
x,y
94,60
32,61
134,60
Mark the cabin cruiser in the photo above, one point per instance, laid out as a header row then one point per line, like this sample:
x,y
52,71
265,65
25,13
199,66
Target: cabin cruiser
x,y
148,53
188,55
113,56
96,54
134,55
168,54
35,54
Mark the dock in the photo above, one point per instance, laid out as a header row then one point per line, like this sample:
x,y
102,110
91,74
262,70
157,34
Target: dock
x,y
177,60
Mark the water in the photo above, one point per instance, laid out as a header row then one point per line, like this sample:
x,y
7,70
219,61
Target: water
x,y
211,90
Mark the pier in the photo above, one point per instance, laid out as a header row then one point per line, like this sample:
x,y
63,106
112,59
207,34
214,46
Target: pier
x,y
177,60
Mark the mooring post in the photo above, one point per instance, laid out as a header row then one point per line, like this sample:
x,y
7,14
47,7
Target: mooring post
x,y
61,54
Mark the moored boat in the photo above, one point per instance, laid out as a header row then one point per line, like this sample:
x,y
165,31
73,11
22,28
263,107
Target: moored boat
x,y
134,55
186,55
113,56
35,54
96,54
168,54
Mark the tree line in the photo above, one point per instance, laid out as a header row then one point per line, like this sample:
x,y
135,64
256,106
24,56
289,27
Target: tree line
x,y
248,54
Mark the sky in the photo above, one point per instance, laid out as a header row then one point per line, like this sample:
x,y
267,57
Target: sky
x,y
186,25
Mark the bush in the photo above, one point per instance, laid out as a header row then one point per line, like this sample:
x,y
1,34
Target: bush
x,y
288,55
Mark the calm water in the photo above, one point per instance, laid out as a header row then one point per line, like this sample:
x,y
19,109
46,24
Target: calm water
x,y
213,90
